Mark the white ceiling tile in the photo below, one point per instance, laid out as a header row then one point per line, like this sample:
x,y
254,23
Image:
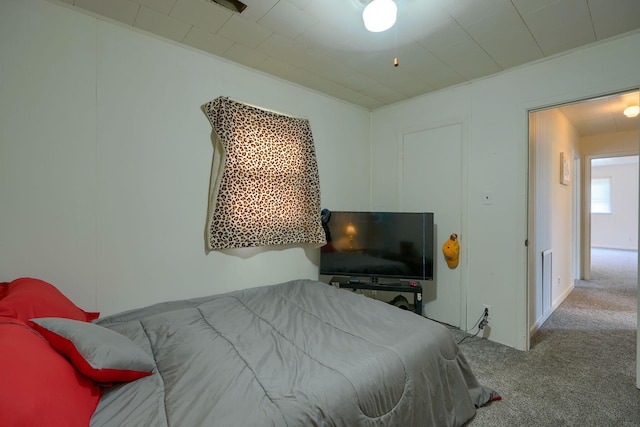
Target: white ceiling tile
x,y
624,123
201,13
120,10
586,123
507,19
345,14
317,64
561,46
561,25
448,33
315,49
305,78
274,66
468,12
278,46
256,9
204,40
617,106
293,52
382,69
380,91
528,6
163,6
348,77
610,21
511,46
243,31
412,87
161,24
245,56
602,115
420,20
288,20
510,52
468,59
427,67
301,4
358,81
365,58
333,89
454,47
323,37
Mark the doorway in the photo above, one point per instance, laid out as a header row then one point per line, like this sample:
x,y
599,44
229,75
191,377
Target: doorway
x,y
613,194
580,131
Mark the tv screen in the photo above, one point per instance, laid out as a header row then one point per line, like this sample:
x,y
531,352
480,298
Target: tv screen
x,y
378,244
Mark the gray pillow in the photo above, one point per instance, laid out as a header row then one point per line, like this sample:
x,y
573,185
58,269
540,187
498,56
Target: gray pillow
x,y
99,353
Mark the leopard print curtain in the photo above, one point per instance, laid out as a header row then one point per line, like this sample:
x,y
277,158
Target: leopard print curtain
x,y
265,188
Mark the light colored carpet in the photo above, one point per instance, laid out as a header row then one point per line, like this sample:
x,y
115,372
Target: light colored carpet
x,y
581,368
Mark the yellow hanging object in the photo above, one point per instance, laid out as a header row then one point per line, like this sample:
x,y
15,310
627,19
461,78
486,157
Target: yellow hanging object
x,y
451,251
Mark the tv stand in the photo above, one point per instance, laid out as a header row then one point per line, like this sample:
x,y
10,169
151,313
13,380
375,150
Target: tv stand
x,y
401,286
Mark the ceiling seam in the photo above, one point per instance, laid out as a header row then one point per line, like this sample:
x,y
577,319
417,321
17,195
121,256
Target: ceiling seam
x,y
593,26
528,29
476,42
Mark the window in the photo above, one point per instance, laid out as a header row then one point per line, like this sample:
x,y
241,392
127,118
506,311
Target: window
x,y
601,195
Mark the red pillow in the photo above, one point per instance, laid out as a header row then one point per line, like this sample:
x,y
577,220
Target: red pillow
x,y
28,298
39,386
3,289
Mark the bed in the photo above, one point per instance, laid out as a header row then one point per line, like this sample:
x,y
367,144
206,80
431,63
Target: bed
x,y
299,353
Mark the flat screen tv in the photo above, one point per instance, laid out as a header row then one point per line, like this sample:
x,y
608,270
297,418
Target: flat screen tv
x,y
378,245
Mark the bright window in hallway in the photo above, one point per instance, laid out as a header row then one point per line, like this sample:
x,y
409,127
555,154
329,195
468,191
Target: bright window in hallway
x,y
601,195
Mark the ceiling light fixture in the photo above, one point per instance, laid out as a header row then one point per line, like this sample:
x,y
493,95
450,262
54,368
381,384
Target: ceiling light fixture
x,y
632,111
379,15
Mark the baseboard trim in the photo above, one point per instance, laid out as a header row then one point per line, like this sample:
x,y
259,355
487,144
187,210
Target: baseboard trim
x,y
540,321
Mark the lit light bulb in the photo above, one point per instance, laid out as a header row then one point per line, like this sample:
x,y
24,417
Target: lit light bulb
x,y
379,15
632,111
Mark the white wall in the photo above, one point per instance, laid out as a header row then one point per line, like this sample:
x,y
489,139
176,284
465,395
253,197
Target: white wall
x,y
552,211
105,158
618,229
609,145
495,110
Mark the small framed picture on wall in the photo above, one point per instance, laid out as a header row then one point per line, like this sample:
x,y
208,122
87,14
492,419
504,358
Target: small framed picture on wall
x,y
565,169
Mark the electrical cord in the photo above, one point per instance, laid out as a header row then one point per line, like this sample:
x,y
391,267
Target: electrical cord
x,y
480,323
469,336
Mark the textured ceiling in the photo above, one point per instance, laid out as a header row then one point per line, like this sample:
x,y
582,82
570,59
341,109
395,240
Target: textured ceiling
x,y
603,115
323,45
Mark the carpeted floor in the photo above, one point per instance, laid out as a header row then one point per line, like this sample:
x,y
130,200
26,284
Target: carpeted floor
x,y
581,368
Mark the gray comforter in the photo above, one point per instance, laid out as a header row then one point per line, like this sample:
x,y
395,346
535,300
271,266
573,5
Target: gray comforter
x,y
300,353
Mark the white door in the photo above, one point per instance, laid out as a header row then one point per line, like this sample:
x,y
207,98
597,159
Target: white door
x,y
432,181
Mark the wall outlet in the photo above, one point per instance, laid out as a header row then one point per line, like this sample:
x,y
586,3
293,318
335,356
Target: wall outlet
x,y
487,308
374,293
